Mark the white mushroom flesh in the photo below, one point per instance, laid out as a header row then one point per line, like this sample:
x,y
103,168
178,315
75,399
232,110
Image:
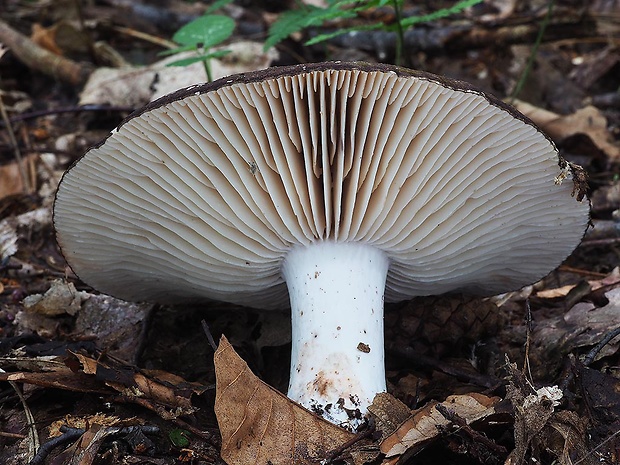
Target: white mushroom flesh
x,y
336,292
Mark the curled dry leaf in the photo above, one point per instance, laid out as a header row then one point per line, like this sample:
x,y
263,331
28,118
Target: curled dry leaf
x,y
167,394
587,120
260,425
423,425
541,428
582,326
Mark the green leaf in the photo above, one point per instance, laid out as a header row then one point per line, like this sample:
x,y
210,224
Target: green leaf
x,y
339,32
217,5
295,20
172,51
206,31
191,60
179,437
456,8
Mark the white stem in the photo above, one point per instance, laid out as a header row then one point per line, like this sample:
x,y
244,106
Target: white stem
x,y
336,292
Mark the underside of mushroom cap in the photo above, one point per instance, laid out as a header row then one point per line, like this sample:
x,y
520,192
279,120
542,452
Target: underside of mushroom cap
x,y
202,194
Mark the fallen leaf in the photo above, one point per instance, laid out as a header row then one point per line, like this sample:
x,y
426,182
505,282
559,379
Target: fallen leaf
x,y
118,325
133,86
45,37
423,425
556,292
155,389
260,425
60,378
541,428
587,120
11,180
582,326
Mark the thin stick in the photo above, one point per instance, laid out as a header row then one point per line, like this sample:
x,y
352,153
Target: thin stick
x,y
528,322
205,328
77,109
598,347
6,434
358,437
36,57
534,52
146,37
16,151
34,443
46,448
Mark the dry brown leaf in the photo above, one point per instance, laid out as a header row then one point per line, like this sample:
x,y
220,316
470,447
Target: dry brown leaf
x,y
11,181
556,292
587,120
154,390
260,425
60,378
542,428
422,426
582,326
45,37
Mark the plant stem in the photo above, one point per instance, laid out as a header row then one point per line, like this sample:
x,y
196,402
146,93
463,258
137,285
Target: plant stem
x,y
400,34
208,69
205,63
530,61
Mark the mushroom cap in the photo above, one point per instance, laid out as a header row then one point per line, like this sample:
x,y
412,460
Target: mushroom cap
x,y
201,194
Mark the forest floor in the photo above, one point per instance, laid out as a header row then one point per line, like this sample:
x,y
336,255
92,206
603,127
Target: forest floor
x,y
528,377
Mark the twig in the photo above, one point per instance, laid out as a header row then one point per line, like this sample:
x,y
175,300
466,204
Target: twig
x,y
32,429
598,347
601,444
71,434
77,109
533,53
209,436
590,356
528,339
205,328
37,58
599,242
146,37
418,359
579,271
6,434
358,437
16,151
473,434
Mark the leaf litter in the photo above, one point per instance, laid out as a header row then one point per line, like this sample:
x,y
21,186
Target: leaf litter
x,y
564,409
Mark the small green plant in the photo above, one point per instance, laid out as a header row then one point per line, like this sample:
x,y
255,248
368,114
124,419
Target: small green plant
x,y
311,16
179,437
201,35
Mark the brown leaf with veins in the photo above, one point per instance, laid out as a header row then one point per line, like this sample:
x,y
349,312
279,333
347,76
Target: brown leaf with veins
x,y
260,425
423,426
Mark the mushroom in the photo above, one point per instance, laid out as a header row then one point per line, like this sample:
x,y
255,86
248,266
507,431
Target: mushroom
x,y
327,187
